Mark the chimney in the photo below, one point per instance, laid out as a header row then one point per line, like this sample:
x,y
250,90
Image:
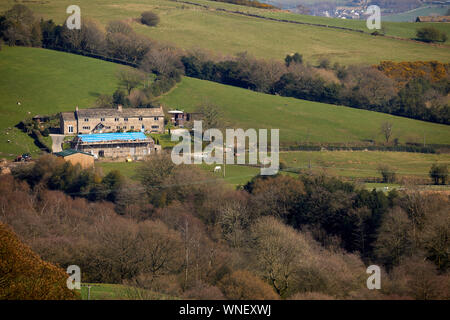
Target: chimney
x,y
119,108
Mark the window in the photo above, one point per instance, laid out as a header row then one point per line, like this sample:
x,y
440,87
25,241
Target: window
x,y
155,127
140,118
155,118
125,119
102,119
125,127
116,119
87,128
132,127
70,128
101,153
86,119
118,127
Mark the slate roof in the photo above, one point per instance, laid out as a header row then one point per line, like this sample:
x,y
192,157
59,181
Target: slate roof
x,y
68,116
114,113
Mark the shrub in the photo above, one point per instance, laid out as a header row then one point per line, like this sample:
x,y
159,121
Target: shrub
x,y
242,285
203,291
387,173
430,34
149,18
439,173
293,58
324,63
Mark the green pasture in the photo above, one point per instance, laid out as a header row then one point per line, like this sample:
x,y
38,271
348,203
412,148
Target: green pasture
x,y
299,121
45,82
194,27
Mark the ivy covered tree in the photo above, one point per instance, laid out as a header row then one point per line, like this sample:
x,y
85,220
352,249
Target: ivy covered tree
x,y
24,275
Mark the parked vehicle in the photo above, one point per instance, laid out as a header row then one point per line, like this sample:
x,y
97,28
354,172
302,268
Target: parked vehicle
x,y
24,157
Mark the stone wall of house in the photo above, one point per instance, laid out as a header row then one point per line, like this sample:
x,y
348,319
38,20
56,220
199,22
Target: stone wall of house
x,y
65,125
149,124
125,150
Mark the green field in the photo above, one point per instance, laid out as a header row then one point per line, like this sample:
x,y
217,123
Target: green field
x,y
299,121
234,174
413,14
193,27
396,29
352,164
103,291
45,82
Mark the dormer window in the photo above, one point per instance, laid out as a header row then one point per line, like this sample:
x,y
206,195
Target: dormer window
x,y
102,119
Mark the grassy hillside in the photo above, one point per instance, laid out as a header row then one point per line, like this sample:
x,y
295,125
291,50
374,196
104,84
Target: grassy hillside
x,y
191,27
45,82
396,29
299,121
413,14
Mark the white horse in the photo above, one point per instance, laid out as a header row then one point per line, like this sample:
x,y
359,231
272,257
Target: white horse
x,y
217,168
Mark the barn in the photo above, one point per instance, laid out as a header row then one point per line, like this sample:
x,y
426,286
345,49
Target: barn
x,y
84,159
119,145
433,19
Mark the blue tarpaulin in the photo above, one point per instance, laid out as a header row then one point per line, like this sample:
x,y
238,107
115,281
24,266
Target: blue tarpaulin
x,y
122,136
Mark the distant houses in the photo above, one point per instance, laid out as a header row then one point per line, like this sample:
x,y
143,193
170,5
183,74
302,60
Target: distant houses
x,y
433,19
118,119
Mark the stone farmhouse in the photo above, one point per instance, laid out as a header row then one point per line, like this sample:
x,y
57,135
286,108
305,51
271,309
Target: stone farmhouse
x,y
120,145
118,119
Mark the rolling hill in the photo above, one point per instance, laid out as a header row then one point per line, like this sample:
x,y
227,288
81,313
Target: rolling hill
x,y
45,82
192,27
299,121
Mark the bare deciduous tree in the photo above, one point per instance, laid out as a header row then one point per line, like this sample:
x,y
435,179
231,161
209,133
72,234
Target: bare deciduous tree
x,y
277,250
386,130
130,78
163,61
211,115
